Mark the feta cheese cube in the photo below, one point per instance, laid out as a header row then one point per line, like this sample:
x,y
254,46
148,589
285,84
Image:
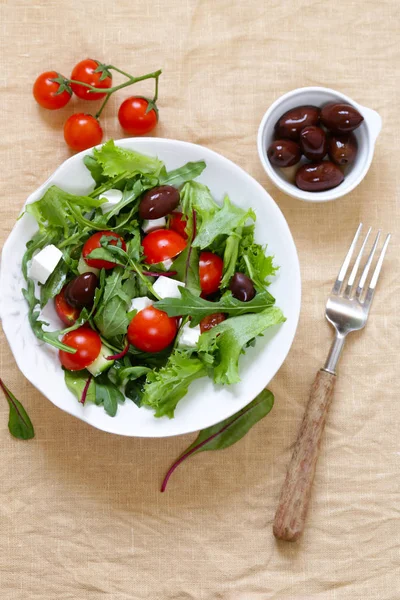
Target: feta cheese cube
x,y
141,303
148,226
167,264
44,263
189,336
112,197
165,287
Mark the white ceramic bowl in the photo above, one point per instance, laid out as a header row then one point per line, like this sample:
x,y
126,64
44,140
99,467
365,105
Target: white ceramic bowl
x,y
366,136
205,404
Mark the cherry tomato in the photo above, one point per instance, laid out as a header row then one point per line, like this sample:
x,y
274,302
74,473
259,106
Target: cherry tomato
x,y
133,117
88,345
177,223
85,71
45,91
210,272
67,313
162,244
152,330
211,321
82,131
94,242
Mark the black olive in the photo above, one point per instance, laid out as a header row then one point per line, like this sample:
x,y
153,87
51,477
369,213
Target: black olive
x,y
158,202
242,287
80,291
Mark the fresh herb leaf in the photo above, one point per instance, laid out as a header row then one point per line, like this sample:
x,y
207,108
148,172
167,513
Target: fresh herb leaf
x,y
108,394
253,260
134,390
152,360
228,432
131,373
186,264
76,382
222,222
57,207
50,337
164,388
116,161
187,172
222,346
19,423
230,257
111,317
198,308
128,197
197,197
54,283
96,170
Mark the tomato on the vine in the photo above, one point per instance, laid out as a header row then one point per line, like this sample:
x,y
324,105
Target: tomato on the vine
x,y
162,244
67,313
134,116
210,272
87,344
177,223
85,71
94,242
82,131
152,330
47,92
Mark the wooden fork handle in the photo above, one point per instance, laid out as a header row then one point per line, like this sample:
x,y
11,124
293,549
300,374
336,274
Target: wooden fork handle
x,y
296,490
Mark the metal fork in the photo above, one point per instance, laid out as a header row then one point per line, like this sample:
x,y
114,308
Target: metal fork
x,y
347,310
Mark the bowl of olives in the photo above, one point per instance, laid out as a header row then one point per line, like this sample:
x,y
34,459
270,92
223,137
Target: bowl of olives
x,y
317,144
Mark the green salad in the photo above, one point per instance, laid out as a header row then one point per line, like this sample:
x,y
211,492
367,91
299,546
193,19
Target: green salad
x,y
154,283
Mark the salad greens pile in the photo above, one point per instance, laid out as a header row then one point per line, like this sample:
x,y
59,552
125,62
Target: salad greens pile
x,y
156,380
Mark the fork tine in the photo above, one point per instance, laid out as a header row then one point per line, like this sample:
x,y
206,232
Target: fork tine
x,y
353,273
365,272
375,276
343,270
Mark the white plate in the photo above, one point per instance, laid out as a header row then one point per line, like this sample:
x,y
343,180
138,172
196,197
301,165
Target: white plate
x,y
205,404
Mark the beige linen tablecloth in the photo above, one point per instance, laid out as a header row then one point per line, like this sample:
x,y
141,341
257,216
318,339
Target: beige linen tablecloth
x,y
81,513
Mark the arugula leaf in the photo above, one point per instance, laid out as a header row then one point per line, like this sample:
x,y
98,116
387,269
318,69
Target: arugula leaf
x,y
222,222
54,283
128,197
116,161
164,388
131,373
196,196
39,241
56,207
227,432
179,176
134,390
95,169
230,256
198,308
19,423
223,345
76,382
111,317
186,264
154,361
108,394
50,337
253,260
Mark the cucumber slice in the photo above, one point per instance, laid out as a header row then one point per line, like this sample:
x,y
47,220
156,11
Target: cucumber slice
x,y
84,268
101,364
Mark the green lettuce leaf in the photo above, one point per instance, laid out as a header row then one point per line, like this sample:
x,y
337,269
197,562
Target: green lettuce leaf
x,y
164,388
222,346
183,174
231,253
198,308
116,161
223,222
253,260
108,394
